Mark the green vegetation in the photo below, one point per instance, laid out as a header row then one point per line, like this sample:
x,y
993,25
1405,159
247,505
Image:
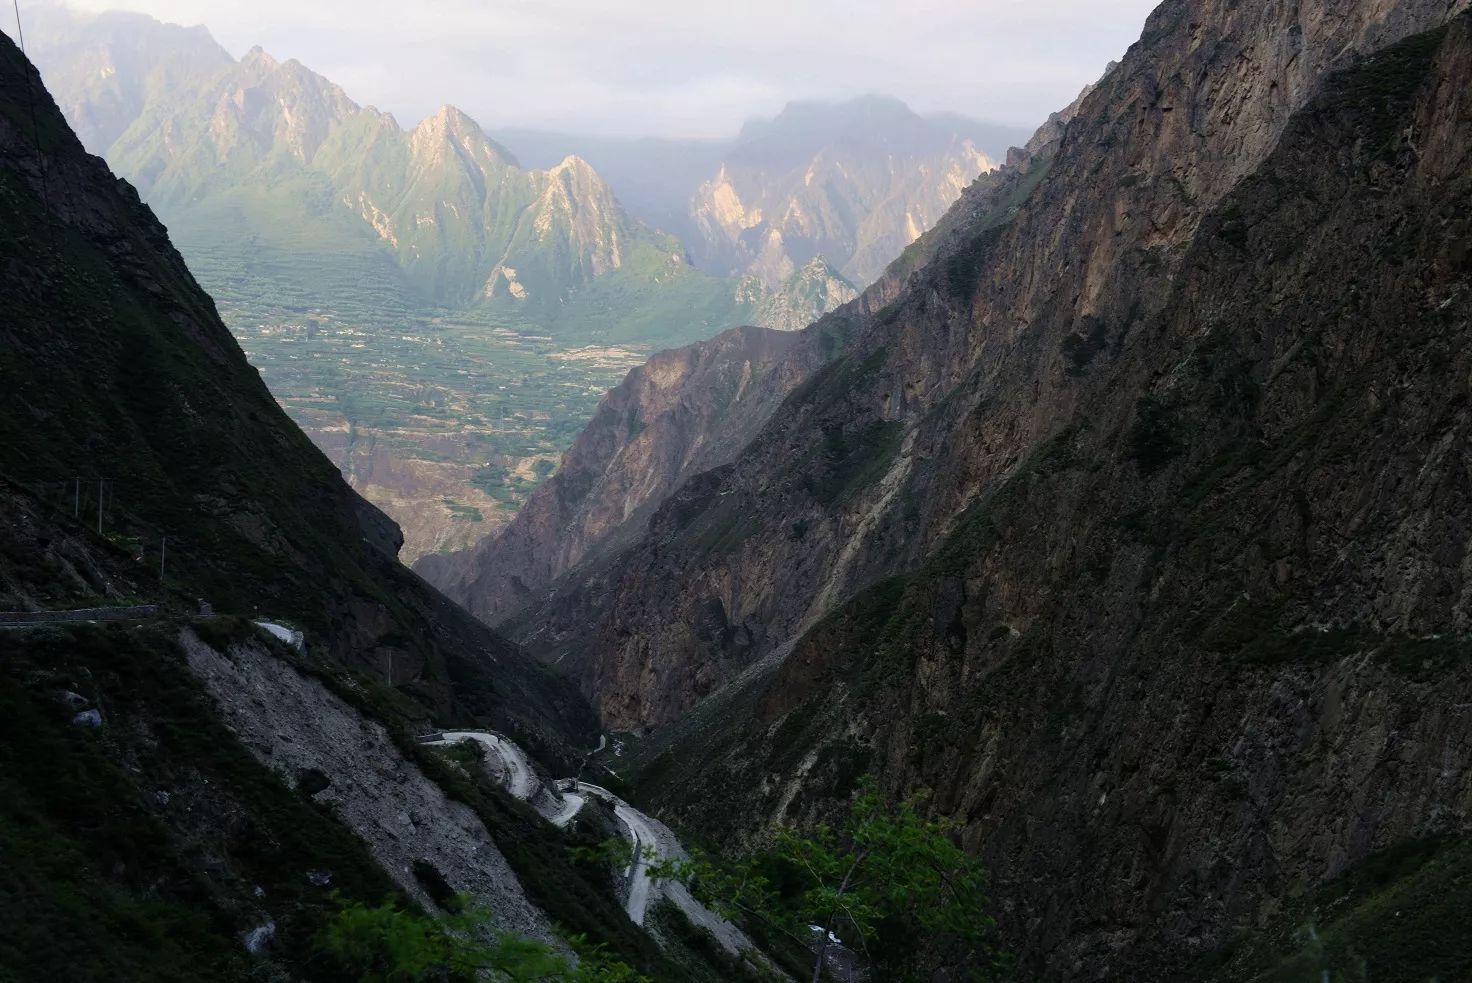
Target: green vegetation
x,y
655,299
889,882
463,513
387,944
1398,917
693,953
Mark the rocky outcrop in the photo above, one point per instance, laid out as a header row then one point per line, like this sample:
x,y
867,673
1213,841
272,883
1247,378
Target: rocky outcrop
x,y
1131,525
806,295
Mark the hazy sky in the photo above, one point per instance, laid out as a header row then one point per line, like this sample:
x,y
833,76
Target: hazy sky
x,y
678,67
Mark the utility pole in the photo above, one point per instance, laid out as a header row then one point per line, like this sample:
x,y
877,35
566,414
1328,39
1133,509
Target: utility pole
x,y
99,506
77,501
163,554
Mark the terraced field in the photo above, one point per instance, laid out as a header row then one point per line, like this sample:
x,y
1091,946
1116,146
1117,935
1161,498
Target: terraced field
x,y
447,422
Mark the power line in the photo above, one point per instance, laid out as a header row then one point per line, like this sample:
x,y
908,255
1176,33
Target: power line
x,y
20,36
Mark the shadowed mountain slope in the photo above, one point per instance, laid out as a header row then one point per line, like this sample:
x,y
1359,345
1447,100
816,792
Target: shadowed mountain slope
x,y
1131,523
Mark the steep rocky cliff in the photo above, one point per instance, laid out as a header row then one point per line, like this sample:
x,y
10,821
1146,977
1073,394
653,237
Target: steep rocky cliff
x,y
879,452
1134,525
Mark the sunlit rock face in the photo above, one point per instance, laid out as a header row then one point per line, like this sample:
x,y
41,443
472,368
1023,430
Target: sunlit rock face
x,y
854,183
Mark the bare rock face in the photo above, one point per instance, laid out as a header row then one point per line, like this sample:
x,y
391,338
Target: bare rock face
x,y
811,291
1134,524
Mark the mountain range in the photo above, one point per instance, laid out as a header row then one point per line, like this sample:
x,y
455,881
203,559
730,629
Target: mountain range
x,y
854,182
271,154
440,318
264,156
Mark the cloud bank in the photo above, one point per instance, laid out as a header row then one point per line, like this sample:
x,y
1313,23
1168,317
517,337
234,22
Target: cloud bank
x,y
673,67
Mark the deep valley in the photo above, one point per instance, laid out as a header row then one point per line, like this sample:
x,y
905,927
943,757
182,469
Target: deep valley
x,y
416,568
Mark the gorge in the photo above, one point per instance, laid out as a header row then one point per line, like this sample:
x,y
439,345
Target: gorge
x,y
1119,522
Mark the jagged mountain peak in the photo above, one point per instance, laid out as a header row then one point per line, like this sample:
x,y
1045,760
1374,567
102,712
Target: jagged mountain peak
x,y
291,78
572,163
450,119
450,124
258,56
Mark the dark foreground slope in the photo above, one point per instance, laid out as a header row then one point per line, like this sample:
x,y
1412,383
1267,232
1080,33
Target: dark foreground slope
x,y
1135,525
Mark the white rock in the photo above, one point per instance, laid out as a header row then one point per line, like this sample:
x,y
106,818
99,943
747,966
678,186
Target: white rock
x,y
258,938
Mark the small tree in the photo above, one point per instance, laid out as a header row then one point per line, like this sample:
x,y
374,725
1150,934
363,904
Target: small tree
x,y
888,881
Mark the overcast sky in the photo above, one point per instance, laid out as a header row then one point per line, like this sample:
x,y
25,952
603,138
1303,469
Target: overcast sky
x,y
678,67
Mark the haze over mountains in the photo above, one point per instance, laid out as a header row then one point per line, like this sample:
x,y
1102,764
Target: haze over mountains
x,y
854,182
442,318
